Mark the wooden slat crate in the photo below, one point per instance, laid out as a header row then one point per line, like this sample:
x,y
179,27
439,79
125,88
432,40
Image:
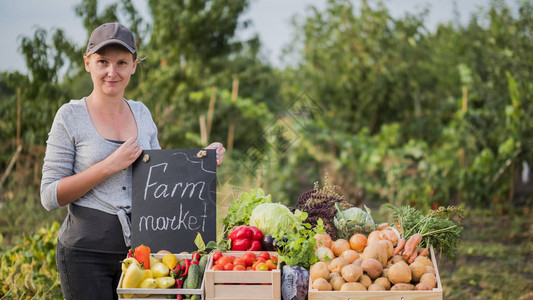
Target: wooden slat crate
x,y
435,294
161,293
249,285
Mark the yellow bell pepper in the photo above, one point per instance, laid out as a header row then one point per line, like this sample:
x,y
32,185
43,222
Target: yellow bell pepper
x,y
146,283
160,270
133,276
127,262
165,282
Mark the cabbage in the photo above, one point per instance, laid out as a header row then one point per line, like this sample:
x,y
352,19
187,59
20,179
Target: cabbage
x,y
353,220
273,218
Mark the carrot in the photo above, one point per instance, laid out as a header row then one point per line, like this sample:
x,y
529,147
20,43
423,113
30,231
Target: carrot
x,y
413,256
383,226
399,247
423,252
411,244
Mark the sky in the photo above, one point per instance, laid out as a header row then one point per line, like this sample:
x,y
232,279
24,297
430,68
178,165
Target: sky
x,y
270,20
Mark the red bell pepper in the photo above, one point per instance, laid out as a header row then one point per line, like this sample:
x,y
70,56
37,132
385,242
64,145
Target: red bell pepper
x,y
245,238
142,255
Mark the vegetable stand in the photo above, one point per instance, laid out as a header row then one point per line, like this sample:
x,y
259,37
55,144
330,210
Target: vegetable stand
x,y
123,293
250,285
435,294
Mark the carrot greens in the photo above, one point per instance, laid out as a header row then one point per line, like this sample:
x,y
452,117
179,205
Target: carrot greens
x,y
440,229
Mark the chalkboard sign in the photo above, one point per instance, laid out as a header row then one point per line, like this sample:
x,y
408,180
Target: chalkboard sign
x,y
174,198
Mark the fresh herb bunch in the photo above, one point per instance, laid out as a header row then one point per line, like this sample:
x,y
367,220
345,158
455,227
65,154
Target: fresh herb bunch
x,y
436,227
319,203
298,247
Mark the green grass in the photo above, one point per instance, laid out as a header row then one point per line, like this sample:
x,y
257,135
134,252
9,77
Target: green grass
x,y
494,259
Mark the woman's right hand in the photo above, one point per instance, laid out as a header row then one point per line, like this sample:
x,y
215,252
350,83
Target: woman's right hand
x,y
124,156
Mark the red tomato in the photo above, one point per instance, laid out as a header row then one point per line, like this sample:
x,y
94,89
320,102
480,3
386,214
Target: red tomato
x,y
261,259
274,258
239,261
261,267
249,258
217,255
265,255
224,260
228,267
239,268
271,264
249,269
217,268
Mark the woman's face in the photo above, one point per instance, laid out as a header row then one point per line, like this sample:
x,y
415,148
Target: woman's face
x,y
111,69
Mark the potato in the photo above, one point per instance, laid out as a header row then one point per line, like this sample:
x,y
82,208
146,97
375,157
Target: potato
x,y
353,286
358,242
365,280
417,270
385,273
319,270
340,246
337,282
376,236
430,279
396,258
424,260
351,273
372,267
323,252
332,275
322,284
376,287
377,252
430,270
422,286
388,245
337,264
400,273
402,287
383,281
350,255
358,261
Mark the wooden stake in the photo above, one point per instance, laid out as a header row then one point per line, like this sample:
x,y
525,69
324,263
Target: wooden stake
x,y
203,132
10,166
231,130
211,110
18,115
465,99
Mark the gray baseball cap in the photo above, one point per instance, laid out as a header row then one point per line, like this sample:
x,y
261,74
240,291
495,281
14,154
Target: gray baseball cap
x,y
111,33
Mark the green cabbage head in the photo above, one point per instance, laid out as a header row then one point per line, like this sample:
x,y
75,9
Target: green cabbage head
x,y
273,218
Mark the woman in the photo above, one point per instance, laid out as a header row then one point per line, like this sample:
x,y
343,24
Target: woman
x,y
90,148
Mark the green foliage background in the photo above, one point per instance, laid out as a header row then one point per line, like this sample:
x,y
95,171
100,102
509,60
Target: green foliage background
x,y
392,111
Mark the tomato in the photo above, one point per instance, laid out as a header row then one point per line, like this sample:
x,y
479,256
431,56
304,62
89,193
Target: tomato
x,y
239,268
249,258
224,260
217,268
228,267
274,258
261,267
217,255
265,255
249,269
261,259
239,261
271,264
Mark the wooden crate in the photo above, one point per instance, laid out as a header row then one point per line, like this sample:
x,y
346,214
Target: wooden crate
x,y
435,294
161,293
250,285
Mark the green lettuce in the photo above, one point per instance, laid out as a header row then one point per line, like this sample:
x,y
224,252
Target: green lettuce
x,y
239,211
273,218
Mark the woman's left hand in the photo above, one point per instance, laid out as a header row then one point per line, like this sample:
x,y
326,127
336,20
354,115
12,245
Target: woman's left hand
x,y
219,149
